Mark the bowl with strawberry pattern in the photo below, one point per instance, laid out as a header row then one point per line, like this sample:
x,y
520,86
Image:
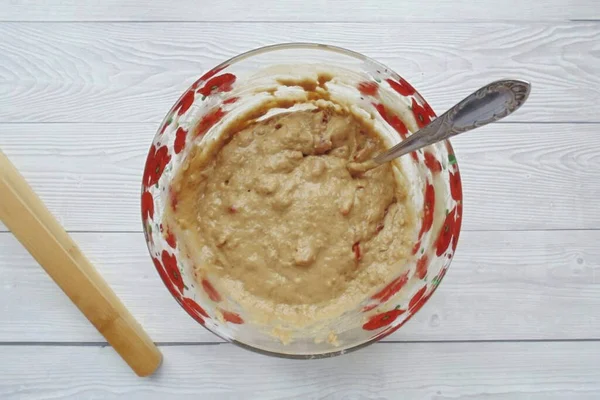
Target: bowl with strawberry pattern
x,y
434,188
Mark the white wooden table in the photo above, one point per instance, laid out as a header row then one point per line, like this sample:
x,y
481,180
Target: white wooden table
x,y
84,84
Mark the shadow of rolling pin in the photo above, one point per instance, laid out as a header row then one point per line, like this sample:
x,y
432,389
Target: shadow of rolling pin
x,y
29,220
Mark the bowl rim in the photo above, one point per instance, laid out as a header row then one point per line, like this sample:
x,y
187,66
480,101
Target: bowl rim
x,y
337,352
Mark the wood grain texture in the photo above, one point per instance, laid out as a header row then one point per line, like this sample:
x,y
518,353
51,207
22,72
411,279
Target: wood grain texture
x,y
502,285
515,176
499,371
295,10
134,72
80,102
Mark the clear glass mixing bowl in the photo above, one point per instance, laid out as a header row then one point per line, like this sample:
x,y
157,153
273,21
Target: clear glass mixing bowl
x,y
432,175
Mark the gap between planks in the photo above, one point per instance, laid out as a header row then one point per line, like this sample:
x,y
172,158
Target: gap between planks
x,y
366,21
172,344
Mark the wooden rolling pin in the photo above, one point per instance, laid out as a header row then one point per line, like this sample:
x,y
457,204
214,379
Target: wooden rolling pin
x,y
42,235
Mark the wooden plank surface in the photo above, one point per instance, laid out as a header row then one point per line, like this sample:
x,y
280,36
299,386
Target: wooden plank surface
x,y
515,176
134,72
501,285
295,10
499,371
516,316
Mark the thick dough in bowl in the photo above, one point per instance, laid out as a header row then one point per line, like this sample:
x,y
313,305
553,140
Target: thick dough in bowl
x,y
273,213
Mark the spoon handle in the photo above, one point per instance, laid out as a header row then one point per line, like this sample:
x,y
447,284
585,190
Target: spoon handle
x,y
488,104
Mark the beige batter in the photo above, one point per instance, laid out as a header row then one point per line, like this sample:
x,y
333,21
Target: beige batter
x,y
278,223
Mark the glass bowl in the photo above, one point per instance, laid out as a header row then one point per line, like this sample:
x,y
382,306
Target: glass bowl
x,y
434,190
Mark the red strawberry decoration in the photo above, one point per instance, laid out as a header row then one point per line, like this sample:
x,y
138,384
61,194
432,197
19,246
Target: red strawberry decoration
x,y
383,319
210,290
399,126
208,75
194,310
231,100
432,163
414,156
180,137
185,102
166,279
415,304
391,289
418,300
232,317
218,84
381,110
402,87
455,186
368,88
147,205
416,248
170,238
428,209
209,120
155,165
393,120
457,224
170,263
422,265
446,232
423,113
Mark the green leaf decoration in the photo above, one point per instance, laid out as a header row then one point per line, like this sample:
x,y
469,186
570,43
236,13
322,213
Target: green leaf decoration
x,y
452,159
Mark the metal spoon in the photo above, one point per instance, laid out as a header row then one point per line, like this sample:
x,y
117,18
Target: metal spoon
x,y
489,104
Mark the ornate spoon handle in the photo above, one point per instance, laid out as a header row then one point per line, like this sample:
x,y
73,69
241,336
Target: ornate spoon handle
x,y
488,104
